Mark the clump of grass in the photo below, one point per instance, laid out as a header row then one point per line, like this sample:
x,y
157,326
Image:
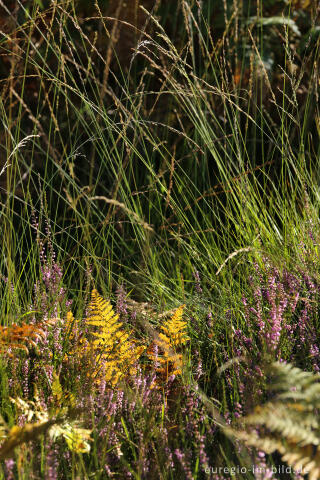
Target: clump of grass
x,y
189,177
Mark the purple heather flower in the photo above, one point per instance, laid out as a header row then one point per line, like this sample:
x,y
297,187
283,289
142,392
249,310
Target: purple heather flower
x,y
185,467
197,281
52,463
9,466
121,306
25,379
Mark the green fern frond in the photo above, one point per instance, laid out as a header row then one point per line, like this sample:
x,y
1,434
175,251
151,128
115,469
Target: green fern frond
x,y
289,423
287,378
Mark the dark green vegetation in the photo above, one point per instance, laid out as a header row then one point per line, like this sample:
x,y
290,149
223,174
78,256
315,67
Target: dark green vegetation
x,y
169,150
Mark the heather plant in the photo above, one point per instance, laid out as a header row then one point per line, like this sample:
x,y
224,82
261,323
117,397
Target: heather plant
x,y
127,440
169,161
125,437
278,322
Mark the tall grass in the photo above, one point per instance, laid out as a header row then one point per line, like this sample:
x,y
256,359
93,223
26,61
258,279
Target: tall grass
x,y
197,162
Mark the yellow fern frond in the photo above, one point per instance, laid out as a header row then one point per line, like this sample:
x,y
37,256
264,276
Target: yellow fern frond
x,y
76,342
69,323
175,329
168,345
115,353
61,399
101,313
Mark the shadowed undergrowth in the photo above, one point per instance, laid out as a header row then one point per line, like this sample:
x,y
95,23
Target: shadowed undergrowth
x,y
169,161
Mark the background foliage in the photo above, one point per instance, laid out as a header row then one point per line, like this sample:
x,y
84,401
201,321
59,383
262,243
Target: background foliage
x,y
165,153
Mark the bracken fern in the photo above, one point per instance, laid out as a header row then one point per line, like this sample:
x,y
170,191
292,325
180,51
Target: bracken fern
x,y
115,354
289,423
166,348
19,337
